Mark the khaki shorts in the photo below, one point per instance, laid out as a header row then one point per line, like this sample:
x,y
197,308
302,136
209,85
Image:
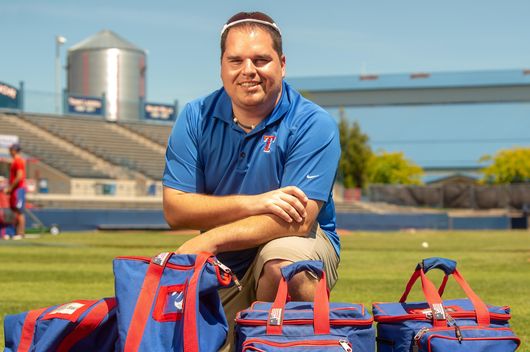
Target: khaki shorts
x,y
316,246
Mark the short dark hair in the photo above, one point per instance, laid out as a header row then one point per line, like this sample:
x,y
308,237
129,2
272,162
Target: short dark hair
x,y
253,19
15,147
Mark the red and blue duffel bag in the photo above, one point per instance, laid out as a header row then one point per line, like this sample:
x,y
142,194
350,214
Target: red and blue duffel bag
x,y
304,326
170,302
83,326
449,325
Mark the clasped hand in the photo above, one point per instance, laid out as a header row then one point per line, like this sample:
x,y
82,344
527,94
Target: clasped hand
x,y
288,203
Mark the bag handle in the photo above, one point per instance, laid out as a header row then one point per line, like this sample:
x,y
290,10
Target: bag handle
x,y
434,298
448,266
321,303
147,296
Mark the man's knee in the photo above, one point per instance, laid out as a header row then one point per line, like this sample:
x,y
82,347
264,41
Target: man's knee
x,y
301,286
272,269
269,279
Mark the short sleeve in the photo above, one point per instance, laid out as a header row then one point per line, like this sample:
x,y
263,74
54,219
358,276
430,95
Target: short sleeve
x,y
18,164
183,170
313,157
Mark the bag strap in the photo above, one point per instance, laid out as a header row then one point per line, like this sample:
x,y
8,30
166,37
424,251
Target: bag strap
x,y
147,296
145,301
90,322
191,305
28,329
321,323
483,314
434,298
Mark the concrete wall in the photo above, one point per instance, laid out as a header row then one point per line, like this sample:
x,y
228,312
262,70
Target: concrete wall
x,y
91,219
91,187
57,181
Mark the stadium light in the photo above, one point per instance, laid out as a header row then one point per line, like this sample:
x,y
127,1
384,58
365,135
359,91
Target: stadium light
x,y
59,40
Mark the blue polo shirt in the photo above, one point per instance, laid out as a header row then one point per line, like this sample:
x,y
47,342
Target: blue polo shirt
x,y
296,145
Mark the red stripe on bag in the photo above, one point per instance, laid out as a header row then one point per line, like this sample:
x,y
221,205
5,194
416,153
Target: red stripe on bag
x,y
321,314
88,324
190,333
483,314
434,300
275,319
143,307
28,329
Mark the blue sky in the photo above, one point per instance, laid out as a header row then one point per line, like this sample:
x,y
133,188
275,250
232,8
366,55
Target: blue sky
x,y
320,38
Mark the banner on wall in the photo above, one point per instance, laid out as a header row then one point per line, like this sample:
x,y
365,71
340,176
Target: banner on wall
x,y
9,96
80,105
160,112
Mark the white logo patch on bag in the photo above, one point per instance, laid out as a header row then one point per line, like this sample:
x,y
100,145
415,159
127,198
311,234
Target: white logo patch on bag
x,y
69,308
276,317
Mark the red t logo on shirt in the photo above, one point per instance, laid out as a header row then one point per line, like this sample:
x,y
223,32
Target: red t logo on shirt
x,y
268,141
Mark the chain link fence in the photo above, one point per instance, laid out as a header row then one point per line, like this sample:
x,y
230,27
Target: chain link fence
x,y
460,196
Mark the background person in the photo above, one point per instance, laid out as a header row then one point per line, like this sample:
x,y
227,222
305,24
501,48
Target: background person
x,y
252,165
17,190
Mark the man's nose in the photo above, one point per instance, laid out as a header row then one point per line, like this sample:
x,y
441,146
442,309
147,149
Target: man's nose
x,y
248,67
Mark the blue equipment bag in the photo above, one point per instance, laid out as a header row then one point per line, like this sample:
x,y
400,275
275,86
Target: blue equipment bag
x,y
435,325
82,326
170,302
304,326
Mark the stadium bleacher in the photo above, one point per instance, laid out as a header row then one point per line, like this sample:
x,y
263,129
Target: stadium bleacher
x,y
158,133
107,140
49,151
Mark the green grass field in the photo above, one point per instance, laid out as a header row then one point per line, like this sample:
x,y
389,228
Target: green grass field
x,y
50,270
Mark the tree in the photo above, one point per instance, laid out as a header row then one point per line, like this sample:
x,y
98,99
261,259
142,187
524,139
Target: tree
x,y
393,168
508,166
356,153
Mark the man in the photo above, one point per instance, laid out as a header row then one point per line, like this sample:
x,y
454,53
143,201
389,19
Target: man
x,y
252,165
17,191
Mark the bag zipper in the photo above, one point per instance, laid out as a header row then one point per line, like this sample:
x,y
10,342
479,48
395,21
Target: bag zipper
x,y
345,344
458,334
428,316
338,322
213,261
148,260
451,320
229,272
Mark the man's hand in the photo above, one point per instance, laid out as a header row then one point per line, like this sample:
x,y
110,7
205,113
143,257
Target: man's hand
x,y
7,190
288,203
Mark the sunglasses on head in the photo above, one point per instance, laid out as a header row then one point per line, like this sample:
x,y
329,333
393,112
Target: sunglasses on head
x,y
255,17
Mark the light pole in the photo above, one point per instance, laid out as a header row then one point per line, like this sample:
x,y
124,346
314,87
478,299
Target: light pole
x,y
59,40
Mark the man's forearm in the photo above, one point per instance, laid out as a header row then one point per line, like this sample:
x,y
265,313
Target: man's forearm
x,y
15,183
203,212
250,232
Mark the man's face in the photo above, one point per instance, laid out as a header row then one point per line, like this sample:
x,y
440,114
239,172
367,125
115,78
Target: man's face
x,y
251,70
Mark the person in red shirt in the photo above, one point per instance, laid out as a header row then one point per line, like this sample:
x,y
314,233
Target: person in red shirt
x,y
17,190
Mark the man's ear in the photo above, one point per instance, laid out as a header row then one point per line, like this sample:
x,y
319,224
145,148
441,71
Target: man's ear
x,y
282,61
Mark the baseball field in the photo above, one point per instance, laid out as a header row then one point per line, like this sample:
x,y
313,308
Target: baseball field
x,y
42,271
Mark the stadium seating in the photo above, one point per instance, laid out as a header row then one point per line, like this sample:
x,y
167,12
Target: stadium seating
x,y
108,141
48,151
158,133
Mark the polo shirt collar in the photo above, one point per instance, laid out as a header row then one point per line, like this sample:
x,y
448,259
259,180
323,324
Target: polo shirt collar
x,y
281,108
223,108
